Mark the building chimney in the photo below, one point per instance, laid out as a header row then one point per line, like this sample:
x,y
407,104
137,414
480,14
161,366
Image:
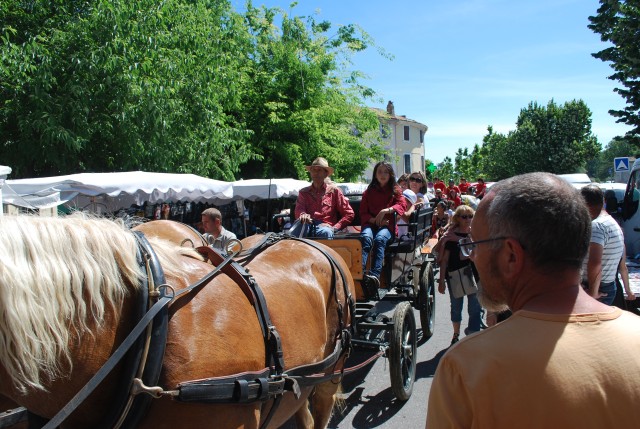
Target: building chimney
x,y
390,109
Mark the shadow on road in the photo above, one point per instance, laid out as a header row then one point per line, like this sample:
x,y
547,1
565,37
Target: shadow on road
x,y
374,411
428,368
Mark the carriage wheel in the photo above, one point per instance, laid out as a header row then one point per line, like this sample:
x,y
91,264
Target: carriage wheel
x,y
427,301
403,351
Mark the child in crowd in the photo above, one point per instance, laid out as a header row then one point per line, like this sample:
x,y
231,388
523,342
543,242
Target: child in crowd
x,y
412,205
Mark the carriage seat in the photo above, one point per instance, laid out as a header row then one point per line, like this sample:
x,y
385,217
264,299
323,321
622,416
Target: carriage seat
x,y
418,232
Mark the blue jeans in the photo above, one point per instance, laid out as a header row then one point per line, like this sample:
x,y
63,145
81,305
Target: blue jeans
x,y
320,231
378,241
473,308
610,290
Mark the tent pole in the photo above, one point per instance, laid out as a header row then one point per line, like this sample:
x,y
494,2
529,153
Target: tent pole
x,y
268,229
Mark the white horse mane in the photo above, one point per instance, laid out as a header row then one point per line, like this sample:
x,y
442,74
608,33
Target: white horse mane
x,y
57,276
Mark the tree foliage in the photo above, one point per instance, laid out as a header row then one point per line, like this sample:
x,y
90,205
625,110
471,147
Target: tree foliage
x,y
299,105
618,22
601,167
176,86
552,138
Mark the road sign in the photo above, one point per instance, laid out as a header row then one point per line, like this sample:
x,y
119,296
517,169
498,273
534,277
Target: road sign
x,y
621,164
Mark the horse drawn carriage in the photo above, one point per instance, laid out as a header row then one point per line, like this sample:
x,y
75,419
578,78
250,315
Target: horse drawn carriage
x,y
384,318
85,338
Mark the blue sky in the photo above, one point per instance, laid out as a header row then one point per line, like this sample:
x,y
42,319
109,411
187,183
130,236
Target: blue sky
x,y
460,66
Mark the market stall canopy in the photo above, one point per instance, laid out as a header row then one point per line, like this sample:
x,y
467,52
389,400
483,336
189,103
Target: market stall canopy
x,y
352,188
112,191
263,189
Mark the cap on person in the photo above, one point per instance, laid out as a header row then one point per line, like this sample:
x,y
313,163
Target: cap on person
x,y
438,190
320,162
410,195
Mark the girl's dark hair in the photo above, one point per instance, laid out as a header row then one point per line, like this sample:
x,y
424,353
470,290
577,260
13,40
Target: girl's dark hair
x,y
392,184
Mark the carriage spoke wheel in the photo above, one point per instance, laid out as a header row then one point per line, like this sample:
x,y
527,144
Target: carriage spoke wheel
x,y
403,351
427,301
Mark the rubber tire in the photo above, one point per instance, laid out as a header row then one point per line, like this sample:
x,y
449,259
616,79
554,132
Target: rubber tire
x,y
403,351
426,294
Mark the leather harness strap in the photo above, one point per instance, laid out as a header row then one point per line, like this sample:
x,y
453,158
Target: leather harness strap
x,y
122,349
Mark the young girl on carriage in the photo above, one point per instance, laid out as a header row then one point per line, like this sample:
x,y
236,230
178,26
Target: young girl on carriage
x,y
382,198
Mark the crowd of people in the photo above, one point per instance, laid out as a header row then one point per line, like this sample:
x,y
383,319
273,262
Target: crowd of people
x,y
565,357
541,258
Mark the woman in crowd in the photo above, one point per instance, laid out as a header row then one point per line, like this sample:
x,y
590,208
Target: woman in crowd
x,y
439,220
418,184
451,259
382,198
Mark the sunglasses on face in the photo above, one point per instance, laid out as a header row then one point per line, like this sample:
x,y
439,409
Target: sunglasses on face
x,y
415,179
465,217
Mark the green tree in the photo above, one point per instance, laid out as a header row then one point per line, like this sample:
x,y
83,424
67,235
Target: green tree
x,y
618,22
601,168
552,138
300,104
445,169
179,86
116,85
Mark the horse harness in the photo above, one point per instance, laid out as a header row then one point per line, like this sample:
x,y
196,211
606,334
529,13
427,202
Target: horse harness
x,y
144,354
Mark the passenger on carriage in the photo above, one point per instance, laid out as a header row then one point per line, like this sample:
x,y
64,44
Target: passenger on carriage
x,y
379,202
418,184
215,234
403,181
403,221
321,205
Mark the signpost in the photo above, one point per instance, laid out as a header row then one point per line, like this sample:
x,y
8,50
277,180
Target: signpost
x,y
621,164
621,168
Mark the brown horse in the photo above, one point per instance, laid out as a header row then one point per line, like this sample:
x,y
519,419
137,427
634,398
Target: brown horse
x,y
67,290
176,232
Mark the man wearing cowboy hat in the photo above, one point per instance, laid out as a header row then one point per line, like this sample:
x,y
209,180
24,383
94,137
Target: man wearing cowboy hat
x,y
322,204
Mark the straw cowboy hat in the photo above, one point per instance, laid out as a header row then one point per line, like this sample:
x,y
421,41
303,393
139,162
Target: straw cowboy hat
x,y
320,162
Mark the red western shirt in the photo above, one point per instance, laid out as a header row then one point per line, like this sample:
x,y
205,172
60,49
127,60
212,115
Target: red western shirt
x,y
325,207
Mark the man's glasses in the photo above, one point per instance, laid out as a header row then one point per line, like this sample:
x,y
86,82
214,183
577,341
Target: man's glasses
x,y
465,217
467,245
415,179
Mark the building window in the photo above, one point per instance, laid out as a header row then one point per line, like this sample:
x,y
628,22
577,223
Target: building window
x,y
421,136
422,163
406,132
407,163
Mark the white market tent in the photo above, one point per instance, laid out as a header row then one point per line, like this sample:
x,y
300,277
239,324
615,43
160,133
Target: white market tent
x,y
352,188
263,189
111,191
108,192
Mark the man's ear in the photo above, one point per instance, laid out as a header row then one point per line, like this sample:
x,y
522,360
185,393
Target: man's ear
x,y
512,258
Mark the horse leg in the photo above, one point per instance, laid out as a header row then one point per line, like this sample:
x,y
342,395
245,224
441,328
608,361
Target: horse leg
x,y
322,402
304,419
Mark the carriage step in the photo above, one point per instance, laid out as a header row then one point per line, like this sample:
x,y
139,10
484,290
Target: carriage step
x,y
12,417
